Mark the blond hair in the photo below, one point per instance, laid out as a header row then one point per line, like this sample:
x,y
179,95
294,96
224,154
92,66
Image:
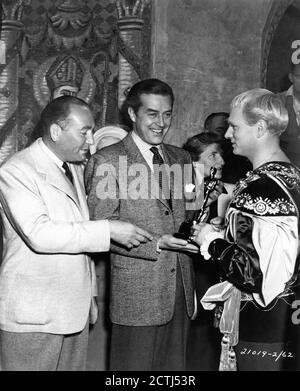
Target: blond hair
x,y
261,104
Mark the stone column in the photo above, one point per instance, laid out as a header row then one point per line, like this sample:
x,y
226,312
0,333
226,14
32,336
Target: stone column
x,y
130,24
11,36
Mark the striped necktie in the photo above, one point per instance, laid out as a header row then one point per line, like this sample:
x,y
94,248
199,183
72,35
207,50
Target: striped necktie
x,y
158,161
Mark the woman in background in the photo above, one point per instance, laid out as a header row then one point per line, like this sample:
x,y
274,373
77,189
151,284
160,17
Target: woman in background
x,y
206,152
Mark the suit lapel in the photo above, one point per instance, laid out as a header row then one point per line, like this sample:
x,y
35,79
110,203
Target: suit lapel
x,y
77,171
51,172
178,203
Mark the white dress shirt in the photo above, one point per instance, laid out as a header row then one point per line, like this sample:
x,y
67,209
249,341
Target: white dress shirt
x,y
145,149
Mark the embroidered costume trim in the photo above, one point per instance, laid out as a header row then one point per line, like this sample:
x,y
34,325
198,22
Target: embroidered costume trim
x,y
264,206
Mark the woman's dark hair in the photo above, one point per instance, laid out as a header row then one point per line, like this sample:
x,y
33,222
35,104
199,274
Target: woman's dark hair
x,y
197,144
210,117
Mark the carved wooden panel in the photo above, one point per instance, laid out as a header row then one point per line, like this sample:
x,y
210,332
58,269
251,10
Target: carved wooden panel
x,y
65,46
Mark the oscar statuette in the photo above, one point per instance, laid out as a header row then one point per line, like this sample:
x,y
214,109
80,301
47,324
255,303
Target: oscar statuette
x,y
186,230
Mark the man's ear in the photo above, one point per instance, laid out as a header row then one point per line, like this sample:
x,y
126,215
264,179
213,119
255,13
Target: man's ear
x,y
55,132
131,114
261,128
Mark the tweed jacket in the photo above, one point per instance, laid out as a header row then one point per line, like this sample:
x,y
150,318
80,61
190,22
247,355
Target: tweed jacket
x,y
143,280
47,280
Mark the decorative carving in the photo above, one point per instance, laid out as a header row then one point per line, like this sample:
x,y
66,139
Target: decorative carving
x,y
41,89
86,32
103,72
12,10
276,13
128,9
11,36
65,73
129,38
69,26
5,92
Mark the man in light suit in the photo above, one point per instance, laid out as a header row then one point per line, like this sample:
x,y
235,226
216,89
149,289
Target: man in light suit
x,y
47,280
152,287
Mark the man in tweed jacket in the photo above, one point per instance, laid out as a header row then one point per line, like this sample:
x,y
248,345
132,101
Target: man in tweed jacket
x,y
152,286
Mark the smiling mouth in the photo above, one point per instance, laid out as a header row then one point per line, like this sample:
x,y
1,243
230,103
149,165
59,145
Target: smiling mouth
x,y
157,131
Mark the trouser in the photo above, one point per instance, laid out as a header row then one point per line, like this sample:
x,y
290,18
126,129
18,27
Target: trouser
x,y
153,348
43,351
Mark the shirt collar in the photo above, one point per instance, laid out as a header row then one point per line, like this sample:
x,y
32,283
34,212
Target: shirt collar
x,y
51,155
290,91
142,145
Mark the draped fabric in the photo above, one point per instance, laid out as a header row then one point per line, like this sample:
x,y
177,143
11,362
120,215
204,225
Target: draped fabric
x,y
258,254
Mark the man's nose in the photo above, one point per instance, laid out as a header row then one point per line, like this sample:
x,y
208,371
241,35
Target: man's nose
x,y
228,133
160,120
89,138
221,160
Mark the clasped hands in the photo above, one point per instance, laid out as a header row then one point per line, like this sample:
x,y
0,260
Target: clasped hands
x,y
199,232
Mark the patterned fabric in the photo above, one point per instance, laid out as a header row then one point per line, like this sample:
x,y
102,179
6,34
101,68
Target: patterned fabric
x,y
269,191
161,173
258,255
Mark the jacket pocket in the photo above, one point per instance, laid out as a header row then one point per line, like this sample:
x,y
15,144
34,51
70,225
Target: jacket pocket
x,y
33,299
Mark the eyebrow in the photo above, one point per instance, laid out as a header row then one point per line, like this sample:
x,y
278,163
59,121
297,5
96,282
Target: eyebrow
x,y
88,128
157,111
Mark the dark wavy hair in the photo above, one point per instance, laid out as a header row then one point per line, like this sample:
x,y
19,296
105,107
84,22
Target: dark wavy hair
x,y
147,86
197,144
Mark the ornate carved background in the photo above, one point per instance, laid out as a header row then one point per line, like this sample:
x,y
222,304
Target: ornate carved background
x,y
99,47
277,11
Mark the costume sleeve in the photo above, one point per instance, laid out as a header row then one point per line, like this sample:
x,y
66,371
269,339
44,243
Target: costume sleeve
x,y
28,214
239,261
104,200
261,258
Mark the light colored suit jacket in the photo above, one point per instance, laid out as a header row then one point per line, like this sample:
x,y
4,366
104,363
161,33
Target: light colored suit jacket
x,y
143,281
47,280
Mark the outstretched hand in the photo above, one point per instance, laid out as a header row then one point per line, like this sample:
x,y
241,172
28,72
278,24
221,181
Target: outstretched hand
x,y
200,232
127,234
169,242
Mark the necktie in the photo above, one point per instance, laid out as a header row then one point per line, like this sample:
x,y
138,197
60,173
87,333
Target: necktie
x,y
163,176
67,172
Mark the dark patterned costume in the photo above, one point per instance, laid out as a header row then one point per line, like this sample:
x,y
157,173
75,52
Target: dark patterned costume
x,y
259,270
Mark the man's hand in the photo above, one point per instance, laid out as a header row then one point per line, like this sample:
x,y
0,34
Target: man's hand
x,y
200,232
169,242
127,234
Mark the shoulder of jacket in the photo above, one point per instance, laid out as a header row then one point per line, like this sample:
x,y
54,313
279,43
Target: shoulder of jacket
x,y
180,152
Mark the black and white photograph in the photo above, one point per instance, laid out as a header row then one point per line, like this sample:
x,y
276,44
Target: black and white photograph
x,y
149,188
